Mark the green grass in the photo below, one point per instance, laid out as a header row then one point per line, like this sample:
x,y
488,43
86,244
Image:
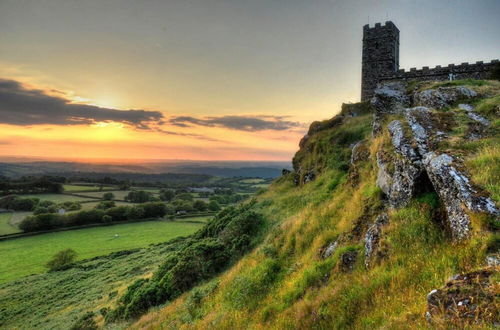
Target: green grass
x,y
28,255
119,194
77,188
56,300
57,198
252,181
17,217
5,224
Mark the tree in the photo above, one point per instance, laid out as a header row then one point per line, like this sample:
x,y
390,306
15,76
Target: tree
x,y
61,260
167,195
213,206
104,205
108,196
200,205
139,196
135,212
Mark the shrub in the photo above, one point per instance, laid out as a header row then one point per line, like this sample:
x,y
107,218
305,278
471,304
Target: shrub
x,y
213,206
118,213
223,240
104,205
86,322
107,219
61,260
135,212
139,196
154,210
200,205
108,196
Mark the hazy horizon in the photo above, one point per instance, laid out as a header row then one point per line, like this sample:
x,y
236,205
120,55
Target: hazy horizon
x,y
204,80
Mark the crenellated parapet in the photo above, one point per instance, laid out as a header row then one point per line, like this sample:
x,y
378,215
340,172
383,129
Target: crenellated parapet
x,y
380,62
478,70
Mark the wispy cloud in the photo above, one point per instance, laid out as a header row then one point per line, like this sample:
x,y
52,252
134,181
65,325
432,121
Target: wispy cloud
x,y
23,106
242,123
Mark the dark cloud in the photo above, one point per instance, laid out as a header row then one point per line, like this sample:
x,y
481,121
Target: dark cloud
x,y
242,123
22,106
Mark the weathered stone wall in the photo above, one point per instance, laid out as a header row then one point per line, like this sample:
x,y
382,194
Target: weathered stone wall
x,y
380,56
380,62
478,70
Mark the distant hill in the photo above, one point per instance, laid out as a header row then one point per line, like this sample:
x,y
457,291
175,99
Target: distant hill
x,y
221,169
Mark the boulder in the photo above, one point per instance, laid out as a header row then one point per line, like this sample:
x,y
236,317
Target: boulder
x,y
466,299
398,175
309,176
359,152
347,261
493,260
469,109
329,249
441,97
456,193
423,127
401,144
389,98
372,237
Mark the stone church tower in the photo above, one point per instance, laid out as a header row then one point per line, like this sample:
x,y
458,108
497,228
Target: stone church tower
x,y
380,56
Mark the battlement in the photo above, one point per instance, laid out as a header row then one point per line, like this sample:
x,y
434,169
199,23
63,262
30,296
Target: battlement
x,y
380,62
477,70
379,26
379,30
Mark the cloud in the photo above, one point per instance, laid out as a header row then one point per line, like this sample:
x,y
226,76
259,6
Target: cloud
x,y
23,106
241,123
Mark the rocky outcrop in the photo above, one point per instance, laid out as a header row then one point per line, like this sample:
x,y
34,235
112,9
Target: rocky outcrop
x,y
359,152
465,300
493,260
443,173
398,175
329,249
441,97
347,261
309,176
399,184
372,238
401,144
389,98
477,127
415,157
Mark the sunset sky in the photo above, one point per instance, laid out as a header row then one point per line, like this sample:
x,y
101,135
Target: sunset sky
x,y
205,79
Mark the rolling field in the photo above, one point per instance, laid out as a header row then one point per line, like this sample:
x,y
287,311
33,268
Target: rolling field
x,y
91,205
58,198
119,194
76,188
28,255
5,226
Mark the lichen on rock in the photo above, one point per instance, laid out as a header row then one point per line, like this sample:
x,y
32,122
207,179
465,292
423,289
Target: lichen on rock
x,y
372,237
442,96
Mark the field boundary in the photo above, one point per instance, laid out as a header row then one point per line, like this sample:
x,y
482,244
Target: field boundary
x,y
21,235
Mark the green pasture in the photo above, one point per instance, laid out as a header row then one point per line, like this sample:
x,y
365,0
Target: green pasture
x,y
57,198
5,224
76,188
28,255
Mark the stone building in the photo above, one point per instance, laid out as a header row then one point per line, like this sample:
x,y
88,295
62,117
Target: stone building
x,y
380,62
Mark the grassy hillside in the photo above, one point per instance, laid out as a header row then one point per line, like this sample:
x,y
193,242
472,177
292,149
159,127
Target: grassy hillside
x,y
286,282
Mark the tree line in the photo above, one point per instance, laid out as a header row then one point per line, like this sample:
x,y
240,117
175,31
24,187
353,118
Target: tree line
x,y
47,221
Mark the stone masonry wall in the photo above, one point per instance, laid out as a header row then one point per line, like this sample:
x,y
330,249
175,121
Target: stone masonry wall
x,y
380,62
478,70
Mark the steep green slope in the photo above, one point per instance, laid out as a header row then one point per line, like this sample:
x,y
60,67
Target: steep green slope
x,y
311,269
